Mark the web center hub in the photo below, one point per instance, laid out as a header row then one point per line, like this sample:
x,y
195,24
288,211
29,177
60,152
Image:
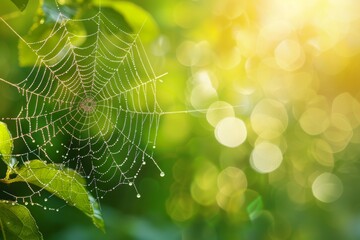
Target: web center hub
x,y
87,105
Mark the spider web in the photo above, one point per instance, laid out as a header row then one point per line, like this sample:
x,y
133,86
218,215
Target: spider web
x,y
89,103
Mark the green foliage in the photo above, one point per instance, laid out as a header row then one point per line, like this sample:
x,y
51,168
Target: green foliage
x,y
121,12
67,184
16,222
255,208
143,21
6,143
28,57
20,4
64,183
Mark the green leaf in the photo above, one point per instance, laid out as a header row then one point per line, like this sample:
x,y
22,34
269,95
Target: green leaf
x,y
6,143
20,4
65,183
255,208
139,19
16,222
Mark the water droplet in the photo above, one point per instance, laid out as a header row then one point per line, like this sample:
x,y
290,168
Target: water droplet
x,y
33,140
45,208
57,151
57,210
144,163
138,195
45,200
13,203
130,184
26,203
162,174
154,147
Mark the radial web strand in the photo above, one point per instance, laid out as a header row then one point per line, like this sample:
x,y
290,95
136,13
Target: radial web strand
x,y
88,103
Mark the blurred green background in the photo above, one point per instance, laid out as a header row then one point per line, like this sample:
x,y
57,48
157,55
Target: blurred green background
x,y
268,147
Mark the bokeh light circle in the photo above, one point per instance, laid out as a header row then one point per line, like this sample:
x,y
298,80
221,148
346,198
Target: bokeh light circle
x,y
327,187
232,183
266,157
269,118
231,132
314,121
289,55
218,111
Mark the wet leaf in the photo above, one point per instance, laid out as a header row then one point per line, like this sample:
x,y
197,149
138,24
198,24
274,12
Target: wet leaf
x,y
16,222
6,143
65,183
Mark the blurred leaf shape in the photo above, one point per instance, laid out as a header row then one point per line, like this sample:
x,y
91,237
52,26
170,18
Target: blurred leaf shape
x,y
65,183
50,10
138,19
16,222
28,56
20,4
255,208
